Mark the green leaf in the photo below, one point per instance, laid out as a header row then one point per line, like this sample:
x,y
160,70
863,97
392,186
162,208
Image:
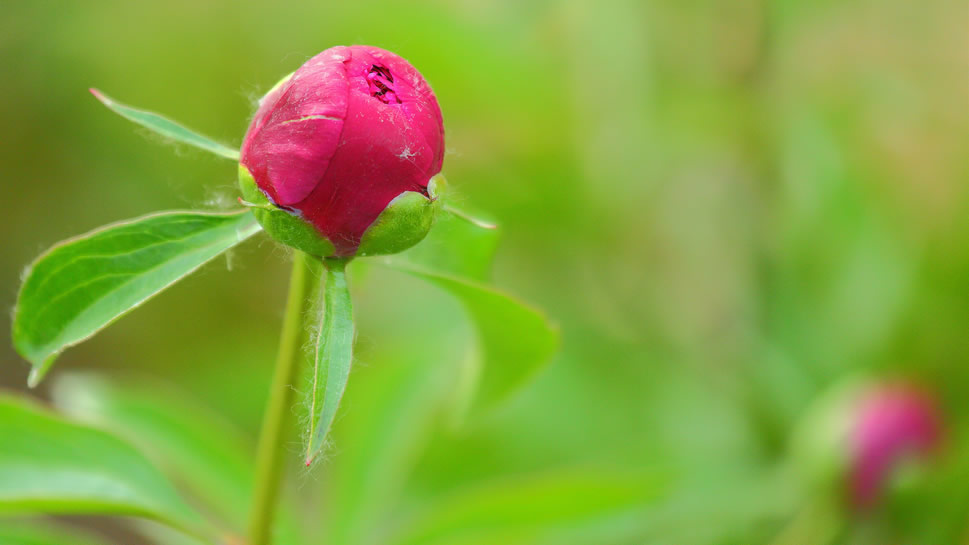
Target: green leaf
x,y
41,532
205,455
401,396
166,127
160,534
533,509
50,465
202,452
334,355
83,284
516,341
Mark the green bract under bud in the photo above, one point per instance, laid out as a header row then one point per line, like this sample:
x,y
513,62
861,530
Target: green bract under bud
x,y
404,223
283,226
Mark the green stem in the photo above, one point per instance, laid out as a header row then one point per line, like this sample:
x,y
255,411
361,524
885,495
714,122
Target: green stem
x,y
269,468
334,354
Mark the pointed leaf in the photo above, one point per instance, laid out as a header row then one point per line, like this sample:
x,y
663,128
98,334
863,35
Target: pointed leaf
x,y
515,340
334,354
83,284
166,127
49,465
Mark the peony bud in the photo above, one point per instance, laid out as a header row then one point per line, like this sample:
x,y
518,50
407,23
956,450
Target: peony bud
x,y
856,438
891,424
343,156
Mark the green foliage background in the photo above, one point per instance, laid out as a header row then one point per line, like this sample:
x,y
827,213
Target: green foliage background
x,y
729,208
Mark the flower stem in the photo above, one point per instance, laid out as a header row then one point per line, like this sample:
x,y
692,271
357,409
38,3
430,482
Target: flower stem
x,y
269,468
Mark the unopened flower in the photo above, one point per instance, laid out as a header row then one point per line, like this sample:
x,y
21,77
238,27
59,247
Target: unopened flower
x,y
855,439
344,155
891,424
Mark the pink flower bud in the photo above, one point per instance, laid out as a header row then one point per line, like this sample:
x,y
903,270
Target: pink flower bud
x,y
891,423
350,131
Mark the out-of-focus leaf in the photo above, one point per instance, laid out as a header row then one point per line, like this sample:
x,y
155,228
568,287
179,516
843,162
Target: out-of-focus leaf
x,y
41,532
166,127
515,340
83,284
201,452
204,455
398,400
531,509
50,465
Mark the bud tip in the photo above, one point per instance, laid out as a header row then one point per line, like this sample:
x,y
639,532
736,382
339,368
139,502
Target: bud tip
x,y
98,95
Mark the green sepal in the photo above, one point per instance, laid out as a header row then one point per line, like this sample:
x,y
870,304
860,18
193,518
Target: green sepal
x,y
282,225
405,222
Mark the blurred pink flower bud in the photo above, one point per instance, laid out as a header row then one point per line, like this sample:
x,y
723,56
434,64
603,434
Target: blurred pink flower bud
x,y
351,130
891,424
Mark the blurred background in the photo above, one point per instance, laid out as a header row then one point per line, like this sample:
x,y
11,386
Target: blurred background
x,y
731,210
